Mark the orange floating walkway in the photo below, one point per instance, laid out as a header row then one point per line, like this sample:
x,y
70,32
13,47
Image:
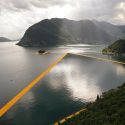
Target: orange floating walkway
x,y
68,117
11,103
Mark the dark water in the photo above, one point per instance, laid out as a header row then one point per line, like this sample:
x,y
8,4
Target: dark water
x,y
75,81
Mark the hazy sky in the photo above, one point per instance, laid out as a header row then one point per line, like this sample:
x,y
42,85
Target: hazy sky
x,y
17,15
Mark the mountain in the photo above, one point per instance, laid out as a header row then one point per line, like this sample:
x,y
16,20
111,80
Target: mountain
x,y
57,31
115,31
122,27
116,48
3,39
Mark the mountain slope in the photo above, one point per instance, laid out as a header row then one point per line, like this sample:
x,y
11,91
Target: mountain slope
x,y
63,31
114,30
3,39
107,110
116,48
122,28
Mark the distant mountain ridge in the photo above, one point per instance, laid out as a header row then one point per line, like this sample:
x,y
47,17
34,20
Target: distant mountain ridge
x,y
3,39
58,31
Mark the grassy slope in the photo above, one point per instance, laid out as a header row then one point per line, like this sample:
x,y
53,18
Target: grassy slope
x,y
108,110
116,48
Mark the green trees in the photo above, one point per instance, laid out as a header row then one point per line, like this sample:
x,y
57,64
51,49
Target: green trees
x,y
116,48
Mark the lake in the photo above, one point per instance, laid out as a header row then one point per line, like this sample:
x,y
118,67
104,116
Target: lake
x,y
75,81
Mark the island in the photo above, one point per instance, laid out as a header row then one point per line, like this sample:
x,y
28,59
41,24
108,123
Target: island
x,y
117,48
3,39
108,109
57,31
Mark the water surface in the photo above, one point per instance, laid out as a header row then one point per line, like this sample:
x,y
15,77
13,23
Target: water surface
x,y
75,81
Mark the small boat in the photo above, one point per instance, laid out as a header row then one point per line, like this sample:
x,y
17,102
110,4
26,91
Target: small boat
x,y
43,52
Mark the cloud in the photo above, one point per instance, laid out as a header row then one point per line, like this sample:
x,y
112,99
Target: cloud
x,y
18,5
17,15
48,3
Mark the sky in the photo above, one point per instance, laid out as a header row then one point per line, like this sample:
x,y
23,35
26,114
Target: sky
x,y
17,15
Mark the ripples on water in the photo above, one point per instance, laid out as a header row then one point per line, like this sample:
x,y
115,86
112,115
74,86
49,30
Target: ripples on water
x,y
73,82
85,78
79,48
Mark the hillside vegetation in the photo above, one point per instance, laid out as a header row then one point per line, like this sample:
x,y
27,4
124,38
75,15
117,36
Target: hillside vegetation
x,y
108,110
116,48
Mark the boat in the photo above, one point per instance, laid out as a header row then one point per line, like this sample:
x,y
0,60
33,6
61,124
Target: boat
x,y
43,52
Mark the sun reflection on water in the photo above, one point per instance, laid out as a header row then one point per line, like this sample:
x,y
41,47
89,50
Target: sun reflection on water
x,y
75,81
